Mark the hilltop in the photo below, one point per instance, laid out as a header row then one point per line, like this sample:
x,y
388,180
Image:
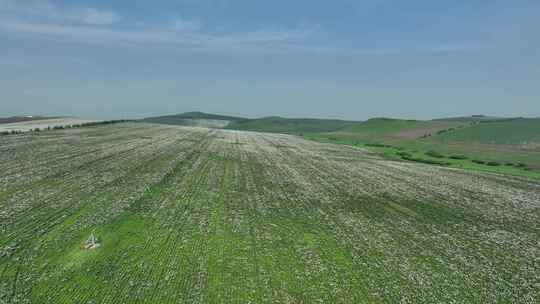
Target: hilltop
x,y
272,124
472,118
472,129
291,125
195,119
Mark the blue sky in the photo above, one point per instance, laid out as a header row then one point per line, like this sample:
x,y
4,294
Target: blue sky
x,y
341,58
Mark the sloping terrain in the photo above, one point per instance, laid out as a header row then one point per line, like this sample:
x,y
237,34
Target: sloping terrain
x,y
520,131
504,145
290,125
28,125
194,119
372,129
387,129
472,118
192,215
265,124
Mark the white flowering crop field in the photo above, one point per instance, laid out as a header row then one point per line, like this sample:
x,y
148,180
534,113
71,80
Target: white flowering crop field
x,y
42,124
193,215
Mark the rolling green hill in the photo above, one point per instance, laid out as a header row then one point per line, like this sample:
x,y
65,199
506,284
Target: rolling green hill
x,y
472,118
265,124
502,145
507,132
290,125
387,129
373,128
475,142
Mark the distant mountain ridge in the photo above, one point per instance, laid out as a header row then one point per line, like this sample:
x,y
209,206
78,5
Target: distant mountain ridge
x,y
475,118
265,124
477,128
291,125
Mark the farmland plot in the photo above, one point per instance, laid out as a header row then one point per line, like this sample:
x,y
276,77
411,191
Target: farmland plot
x,y
192,215
29,125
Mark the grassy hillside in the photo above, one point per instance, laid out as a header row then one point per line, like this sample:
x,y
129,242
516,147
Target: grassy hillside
x,y
290,125
192,215
380,129
520,131
495,144
265,124
473,118
510,146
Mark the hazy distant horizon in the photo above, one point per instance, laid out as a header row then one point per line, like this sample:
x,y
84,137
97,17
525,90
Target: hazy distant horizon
x,y
340,59
262,116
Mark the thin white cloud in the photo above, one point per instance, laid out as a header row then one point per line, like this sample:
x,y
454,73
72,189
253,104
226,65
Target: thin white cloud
x,y
163,37
262,41
90,26
184,25
98,17
48,11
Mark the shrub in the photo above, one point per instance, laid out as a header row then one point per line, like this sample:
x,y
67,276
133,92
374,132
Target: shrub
x,y
434,154
431,162
493,164
404,154
458,157
477,161
377,145
410,157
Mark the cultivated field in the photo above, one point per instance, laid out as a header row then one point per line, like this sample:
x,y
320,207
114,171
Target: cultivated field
x,y
42,124
192,215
